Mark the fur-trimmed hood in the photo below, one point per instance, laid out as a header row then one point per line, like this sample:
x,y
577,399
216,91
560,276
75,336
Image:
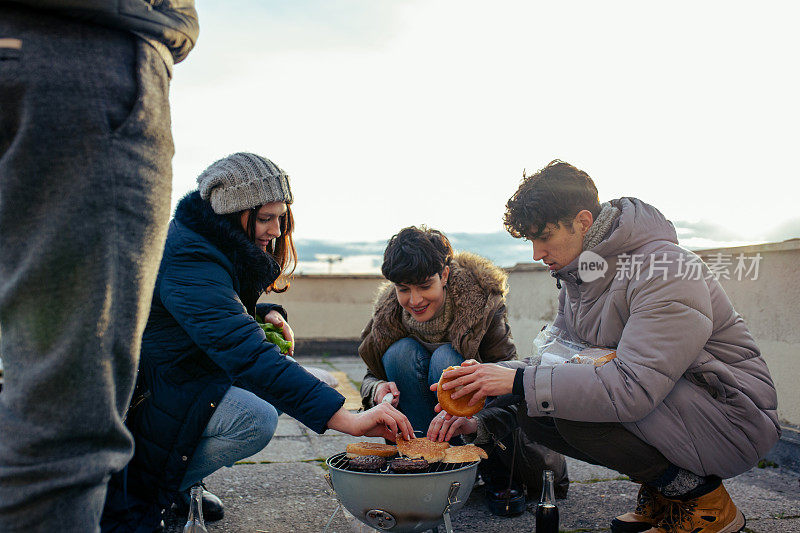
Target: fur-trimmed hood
x,y
478,290
255,270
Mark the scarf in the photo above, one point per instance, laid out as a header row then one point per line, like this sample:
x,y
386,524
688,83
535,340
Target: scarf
x,y
599,229
435,329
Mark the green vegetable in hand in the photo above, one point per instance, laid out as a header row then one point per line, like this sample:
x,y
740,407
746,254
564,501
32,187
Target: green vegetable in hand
x,y
275,336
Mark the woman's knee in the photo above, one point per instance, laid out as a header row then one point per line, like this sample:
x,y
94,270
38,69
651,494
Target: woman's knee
x,y
253,420
265,421
402,354
404,346
441,358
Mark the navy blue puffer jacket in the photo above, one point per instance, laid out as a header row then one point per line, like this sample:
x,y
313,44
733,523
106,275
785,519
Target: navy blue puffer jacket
x,y
201,338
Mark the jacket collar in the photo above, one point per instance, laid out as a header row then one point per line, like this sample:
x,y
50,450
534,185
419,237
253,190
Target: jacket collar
x,y
638,223
254,269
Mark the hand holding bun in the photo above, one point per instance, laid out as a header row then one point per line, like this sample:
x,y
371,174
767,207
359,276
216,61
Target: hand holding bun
x,y
457,407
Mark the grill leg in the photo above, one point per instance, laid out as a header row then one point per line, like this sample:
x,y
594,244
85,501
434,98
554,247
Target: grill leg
x,y
448,526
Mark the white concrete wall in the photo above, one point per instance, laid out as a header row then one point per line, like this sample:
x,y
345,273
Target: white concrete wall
x,y
770,306
532,303
338,307
328,306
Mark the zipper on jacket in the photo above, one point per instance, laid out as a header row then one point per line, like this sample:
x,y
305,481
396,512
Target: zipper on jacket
x,y
136,403
496,441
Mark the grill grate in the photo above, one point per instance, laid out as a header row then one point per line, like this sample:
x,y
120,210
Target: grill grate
x,y
341,462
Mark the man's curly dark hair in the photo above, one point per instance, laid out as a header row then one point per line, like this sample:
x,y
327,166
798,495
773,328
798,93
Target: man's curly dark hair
x,y
555,194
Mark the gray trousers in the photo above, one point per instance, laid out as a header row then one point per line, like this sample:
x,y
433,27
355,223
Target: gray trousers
x,y
85,183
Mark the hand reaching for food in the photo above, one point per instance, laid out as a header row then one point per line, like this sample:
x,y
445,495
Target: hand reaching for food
x,y
444,427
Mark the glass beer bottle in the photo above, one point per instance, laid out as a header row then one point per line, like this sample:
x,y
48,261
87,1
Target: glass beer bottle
x,y
546,511
195,524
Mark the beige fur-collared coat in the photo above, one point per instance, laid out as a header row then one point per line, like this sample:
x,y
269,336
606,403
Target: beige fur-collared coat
x,y
479,329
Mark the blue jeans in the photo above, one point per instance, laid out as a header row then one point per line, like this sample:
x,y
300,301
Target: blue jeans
x,y
241,426
414,369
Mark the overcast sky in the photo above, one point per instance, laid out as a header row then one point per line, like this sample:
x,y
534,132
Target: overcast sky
x,y
392,113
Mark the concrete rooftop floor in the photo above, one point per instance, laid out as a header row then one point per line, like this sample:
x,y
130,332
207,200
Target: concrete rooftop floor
x,y
282,488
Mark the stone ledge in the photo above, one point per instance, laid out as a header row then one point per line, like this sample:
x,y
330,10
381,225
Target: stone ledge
x,y
327,346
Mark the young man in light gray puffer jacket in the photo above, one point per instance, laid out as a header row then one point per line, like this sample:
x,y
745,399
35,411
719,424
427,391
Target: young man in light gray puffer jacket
x,y
687,401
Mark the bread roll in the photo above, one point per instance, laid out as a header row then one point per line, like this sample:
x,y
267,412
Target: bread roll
x,y
457,407
464,454
422,448
371,448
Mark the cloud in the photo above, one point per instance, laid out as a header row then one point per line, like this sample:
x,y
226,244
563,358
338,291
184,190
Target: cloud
x,y
707,234
367,256
309,249
237,34
506,251
387,114
786,230
704,229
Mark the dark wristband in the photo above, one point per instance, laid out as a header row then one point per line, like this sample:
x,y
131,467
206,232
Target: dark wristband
x,y
519,389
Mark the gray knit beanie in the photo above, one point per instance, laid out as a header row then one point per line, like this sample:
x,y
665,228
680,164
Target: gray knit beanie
x,y
242,181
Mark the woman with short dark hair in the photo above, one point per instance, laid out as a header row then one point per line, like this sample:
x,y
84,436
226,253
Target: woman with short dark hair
x,y
437,309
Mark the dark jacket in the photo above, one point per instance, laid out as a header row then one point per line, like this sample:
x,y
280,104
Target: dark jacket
x,y
479,329
168,24
201,339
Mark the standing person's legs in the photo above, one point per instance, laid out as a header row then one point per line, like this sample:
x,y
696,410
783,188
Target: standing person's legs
x,y
85,180
406,363
241,426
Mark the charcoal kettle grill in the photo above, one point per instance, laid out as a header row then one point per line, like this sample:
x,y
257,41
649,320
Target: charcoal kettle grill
x,y
400,503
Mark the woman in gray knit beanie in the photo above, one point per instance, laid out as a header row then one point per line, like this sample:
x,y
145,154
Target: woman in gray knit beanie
x,y
211,383
255,192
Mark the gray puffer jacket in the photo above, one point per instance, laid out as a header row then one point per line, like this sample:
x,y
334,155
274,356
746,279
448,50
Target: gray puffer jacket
x,y
688,378
170,25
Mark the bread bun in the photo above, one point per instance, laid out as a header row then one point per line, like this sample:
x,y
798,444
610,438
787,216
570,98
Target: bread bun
x,y
457,407
464,454
371,448
422,448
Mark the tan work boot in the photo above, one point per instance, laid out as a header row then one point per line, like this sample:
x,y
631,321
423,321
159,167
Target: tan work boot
x,y
650,507
714,512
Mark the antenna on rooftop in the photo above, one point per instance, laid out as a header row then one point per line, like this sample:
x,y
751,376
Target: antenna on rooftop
x,y
330,259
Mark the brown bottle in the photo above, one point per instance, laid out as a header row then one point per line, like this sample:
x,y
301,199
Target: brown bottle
x,y
546,510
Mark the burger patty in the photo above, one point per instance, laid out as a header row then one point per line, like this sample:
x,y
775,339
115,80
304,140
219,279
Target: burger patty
x,y
367,463
408,466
